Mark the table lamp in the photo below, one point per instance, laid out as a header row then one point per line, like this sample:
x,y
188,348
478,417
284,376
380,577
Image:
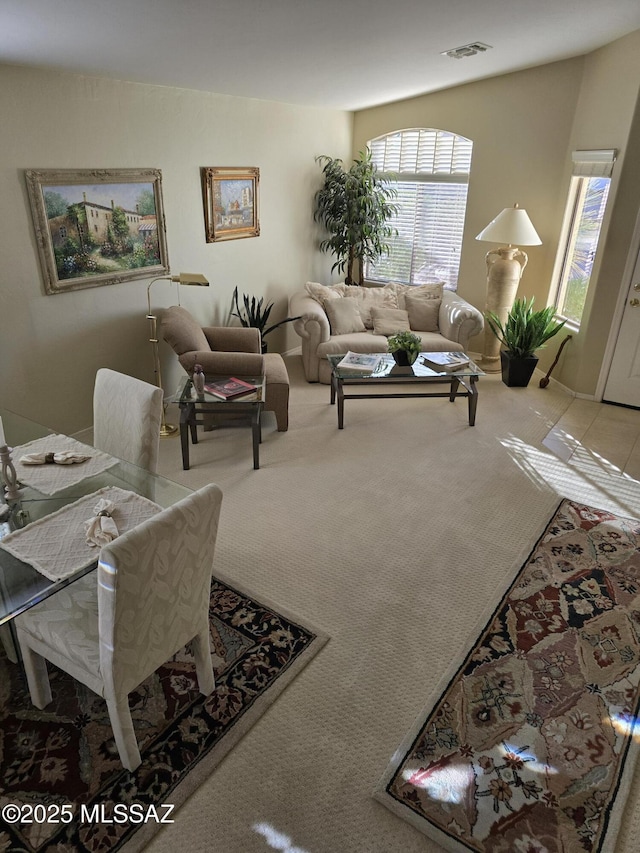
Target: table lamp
x,y
504,271
191,278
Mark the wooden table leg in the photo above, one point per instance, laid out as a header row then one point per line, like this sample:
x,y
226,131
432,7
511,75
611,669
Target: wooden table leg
x,y
455,384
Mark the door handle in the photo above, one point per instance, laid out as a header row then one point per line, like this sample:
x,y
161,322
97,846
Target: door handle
x,y
634,302
636,286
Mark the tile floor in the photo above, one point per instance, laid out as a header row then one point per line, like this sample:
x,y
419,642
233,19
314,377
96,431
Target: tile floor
x,y
607,431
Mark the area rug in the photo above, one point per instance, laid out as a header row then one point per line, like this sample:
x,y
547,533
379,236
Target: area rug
x,y
530,741
60,766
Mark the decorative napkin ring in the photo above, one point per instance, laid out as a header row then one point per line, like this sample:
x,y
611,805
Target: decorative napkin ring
x,y
104,513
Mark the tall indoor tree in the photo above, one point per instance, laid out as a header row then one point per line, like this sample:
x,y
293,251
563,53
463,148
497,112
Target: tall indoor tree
x,y
355,207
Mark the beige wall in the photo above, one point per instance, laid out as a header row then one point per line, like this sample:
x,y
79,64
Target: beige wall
x,y
524,127
51,346
604,118
520,125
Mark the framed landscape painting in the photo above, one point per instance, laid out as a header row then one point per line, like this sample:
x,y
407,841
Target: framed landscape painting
x,y
97,227
230,197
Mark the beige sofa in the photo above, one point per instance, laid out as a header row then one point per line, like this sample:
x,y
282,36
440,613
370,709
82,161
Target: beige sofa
x,y
328,328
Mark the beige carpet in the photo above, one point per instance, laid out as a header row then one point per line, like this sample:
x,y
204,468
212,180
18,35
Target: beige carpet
x,y
392,536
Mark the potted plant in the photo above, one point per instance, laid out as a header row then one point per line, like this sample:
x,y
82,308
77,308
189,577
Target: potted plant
x,y
523,332
255,314
354,206
405,348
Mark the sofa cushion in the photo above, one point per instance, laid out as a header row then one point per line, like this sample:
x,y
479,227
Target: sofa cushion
x,y
181,331
344,316
388,321
423,313
426,291
368,297
322,292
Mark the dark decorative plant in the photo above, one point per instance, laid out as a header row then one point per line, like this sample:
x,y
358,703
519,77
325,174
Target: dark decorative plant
x,y
354,206
524,330
255,313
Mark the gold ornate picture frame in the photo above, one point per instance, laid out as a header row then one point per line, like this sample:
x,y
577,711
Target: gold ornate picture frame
x,y
97,227
230,198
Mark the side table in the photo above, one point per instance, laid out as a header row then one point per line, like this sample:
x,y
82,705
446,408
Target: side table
x,y
237,411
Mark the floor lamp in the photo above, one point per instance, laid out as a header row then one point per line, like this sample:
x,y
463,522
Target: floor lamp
x,y
192,278
504,271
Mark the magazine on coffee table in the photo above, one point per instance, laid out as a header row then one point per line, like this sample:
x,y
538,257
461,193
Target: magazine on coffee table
x,y
359,362
445,362
225,389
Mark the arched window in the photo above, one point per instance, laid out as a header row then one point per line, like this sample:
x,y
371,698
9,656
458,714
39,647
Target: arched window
x,y
432,171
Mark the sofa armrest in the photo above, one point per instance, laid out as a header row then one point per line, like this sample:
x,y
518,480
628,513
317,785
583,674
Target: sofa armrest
x,y
233,338
224,363
458,320
313,322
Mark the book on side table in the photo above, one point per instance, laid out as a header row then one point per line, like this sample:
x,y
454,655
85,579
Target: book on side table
x,y
226,389
359,362
445,362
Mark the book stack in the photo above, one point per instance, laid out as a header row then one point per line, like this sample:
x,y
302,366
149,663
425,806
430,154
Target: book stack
x,y
445,362
227,389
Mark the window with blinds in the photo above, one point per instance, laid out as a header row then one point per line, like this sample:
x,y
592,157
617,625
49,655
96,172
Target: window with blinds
x,y
431,168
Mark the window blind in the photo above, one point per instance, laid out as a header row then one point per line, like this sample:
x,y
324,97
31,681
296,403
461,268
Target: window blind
x,y
594,164
431,168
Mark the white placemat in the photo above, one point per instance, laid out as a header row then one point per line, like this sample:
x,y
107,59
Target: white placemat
x,y
55,545
52,478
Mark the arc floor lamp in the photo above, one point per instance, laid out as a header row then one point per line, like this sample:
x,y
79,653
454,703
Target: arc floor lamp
x,y
504,271
190,278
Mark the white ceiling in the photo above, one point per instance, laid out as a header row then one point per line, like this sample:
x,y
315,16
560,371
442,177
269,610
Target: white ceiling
x,y
343,54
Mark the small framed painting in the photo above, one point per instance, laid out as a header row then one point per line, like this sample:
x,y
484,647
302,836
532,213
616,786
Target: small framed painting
x,y
230,197
97,227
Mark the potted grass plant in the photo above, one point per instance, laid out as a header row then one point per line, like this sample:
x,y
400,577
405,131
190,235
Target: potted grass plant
x,y
405,348
255,313
523,332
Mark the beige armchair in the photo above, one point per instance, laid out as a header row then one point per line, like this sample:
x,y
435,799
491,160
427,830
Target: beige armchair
x,y
227,351
113,628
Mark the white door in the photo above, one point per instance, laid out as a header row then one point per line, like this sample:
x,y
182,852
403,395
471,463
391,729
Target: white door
x,y
623,382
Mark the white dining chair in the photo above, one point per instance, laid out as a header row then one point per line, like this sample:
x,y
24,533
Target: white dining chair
x,y
127,414
112,629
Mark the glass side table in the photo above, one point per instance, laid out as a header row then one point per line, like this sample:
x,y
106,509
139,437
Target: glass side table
x,y
199,410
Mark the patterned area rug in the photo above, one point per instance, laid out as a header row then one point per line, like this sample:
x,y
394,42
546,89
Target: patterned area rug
x,y
62,761
530,744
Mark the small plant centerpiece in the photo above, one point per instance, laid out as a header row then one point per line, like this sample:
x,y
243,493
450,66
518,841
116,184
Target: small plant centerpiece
x,y
405,348
255,314
523,332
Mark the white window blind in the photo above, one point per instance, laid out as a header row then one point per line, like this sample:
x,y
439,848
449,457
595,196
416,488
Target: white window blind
x,y
432,168
594,164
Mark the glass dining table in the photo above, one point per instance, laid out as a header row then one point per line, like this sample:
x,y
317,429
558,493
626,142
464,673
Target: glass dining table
x,y
21,585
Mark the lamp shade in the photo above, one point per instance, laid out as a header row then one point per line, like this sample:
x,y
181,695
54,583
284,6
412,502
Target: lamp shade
x,y
512,226
191,278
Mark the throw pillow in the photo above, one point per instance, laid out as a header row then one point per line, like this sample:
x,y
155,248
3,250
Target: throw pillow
x,y
426,291
322,292
368,297
423,313
388,321
344,316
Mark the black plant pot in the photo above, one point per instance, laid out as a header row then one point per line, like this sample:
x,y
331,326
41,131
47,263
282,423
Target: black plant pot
x,y
516,371
403,358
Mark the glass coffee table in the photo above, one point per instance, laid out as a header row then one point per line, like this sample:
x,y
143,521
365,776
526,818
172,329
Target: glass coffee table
x,y
387,380
202,410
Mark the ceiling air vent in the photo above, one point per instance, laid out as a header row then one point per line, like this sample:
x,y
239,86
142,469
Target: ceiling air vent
x,y
466,50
